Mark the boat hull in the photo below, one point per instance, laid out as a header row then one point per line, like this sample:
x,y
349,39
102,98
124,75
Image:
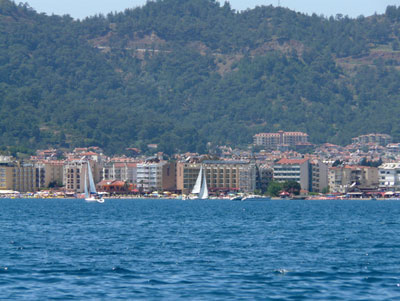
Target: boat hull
x,y
92,199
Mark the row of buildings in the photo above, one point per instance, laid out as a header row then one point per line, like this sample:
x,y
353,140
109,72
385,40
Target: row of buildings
x,y
142,176
284,140
154,174
222,176
329,167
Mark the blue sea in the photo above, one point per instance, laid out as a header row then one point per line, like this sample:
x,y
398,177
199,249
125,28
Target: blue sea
x,y
199,250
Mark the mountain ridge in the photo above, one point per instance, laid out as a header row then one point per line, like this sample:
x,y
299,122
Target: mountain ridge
x,y
185,73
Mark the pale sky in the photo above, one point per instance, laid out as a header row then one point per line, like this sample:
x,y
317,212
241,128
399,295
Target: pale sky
x,y
83,8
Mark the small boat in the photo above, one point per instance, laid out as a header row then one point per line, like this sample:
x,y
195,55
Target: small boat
x,y
254,197
91,194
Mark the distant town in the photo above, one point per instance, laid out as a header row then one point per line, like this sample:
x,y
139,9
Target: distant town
x,y
368,167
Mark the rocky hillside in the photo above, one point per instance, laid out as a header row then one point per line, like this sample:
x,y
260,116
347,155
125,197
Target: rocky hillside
x,y
181,73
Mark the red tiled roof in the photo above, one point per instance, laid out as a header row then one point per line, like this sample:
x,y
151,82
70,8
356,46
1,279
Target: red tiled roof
x,y
89,154
292,161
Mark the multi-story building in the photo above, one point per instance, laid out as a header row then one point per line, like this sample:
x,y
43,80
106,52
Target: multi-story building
x,y
220,175
120,171
344,178
49,173
18,177
389,176
156,176
319,176
6,176
297,170
380,139
248,177
273,140
75,172
264,177
25,178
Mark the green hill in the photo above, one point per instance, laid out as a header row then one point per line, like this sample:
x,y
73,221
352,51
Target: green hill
x,y
181,73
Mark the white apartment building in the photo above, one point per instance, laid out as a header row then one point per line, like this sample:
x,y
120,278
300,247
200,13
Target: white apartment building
x,y
149,176
389,176
116,171
293,170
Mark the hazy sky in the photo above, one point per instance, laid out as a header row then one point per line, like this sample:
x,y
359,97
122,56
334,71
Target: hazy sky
x,y
83,8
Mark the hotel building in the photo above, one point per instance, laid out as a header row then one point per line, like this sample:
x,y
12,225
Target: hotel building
x,y
18,177
221,176
273,140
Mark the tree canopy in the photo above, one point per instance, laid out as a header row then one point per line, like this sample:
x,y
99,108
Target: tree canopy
x,y
182,73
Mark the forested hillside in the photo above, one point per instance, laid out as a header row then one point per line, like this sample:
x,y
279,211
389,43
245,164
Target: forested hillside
x,y
181,73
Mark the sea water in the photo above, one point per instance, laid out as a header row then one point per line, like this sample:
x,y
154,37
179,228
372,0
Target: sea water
x,y
199,250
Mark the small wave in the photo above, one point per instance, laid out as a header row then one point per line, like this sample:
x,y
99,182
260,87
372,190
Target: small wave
x,y
311,274
120,270
157,282
373,279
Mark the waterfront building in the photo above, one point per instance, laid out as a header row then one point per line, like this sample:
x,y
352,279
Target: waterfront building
x,y
221,176
120,171
319,176
48,173
74,174
342,179
389,176
380,139
281,139
156,176
297,170
6,176
264,177
248,177
18,177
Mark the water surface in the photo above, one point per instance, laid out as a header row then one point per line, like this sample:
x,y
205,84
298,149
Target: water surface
x,y
197,250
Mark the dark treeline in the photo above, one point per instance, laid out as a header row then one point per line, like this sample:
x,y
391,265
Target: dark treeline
x,y
181,73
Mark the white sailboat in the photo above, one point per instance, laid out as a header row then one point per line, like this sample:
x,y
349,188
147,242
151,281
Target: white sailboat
x,y
200,189
91,194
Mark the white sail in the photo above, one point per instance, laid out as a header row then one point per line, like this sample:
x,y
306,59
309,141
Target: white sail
x,y
92,187
197,186
85,185
91,195
204,189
